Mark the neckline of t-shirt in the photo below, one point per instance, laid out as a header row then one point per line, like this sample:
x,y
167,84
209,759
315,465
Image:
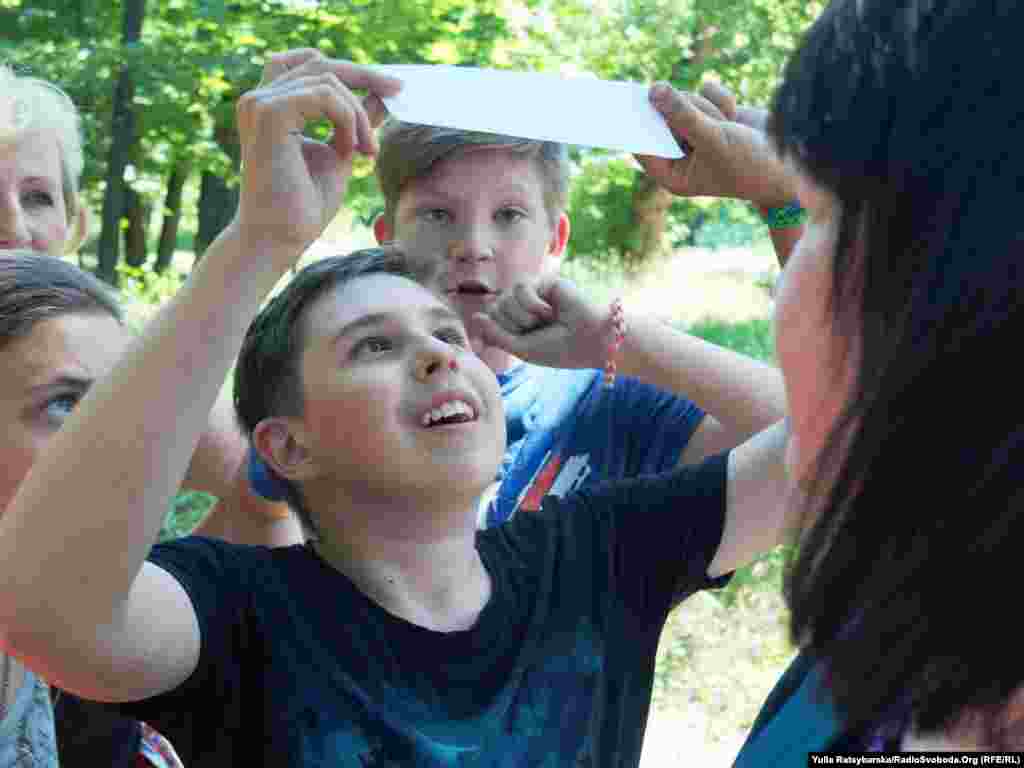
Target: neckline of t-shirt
x,y
487,625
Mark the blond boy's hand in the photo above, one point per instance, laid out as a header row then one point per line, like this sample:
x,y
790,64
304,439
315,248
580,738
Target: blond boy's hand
x,y
548,322
727,151
292,186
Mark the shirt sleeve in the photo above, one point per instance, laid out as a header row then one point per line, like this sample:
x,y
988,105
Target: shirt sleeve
x,y
654,424
655,534
212,574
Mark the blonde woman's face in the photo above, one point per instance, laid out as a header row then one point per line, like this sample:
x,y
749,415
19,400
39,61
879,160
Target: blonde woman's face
x,y
33,211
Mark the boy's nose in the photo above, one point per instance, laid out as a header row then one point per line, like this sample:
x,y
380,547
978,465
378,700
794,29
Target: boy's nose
x,y
471,247
436,357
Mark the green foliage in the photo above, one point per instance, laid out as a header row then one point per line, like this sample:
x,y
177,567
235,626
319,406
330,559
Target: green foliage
x,y
142,284
601,209
195,59
754,338
766,572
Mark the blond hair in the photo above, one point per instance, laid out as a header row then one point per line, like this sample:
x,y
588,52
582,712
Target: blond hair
x,y
31,103
410,151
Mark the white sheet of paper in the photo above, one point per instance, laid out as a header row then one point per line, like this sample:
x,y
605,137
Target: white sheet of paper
x,y
580,110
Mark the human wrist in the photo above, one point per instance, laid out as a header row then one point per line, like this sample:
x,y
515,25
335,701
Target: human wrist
x,y
781,216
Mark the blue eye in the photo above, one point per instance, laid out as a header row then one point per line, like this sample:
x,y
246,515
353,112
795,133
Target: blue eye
x,y
372,346
60,407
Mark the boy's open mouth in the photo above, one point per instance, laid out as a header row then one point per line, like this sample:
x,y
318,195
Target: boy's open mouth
x,y
472,288
451,412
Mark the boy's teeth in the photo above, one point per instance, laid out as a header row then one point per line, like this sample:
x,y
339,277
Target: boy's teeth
x,y
447,410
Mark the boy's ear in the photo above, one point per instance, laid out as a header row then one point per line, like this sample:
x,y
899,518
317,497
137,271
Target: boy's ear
x,y
382,230
559,237
280,445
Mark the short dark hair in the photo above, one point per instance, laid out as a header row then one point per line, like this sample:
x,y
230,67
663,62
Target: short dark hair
x,y
268,380
907,112
35,287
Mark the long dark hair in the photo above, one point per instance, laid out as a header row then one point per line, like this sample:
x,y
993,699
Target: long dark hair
x,y
908,111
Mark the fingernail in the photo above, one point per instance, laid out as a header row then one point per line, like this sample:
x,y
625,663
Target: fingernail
x,y
661,93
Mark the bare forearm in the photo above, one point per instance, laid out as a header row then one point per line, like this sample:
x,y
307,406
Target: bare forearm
x,y
743,394
122,455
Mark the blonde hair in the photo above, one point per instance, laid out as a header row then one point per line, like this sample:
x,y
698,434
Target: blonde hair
x,y
410,151
31,103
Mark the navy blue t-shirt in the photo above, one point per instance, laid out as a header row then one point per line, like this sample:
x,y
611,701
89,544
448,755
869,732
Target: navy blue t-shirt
x,y
299,668
566,431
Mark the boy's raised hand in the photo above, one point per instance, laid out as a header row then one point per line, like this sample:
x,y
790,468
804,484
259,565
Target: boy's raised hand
x,y
292,186
548,322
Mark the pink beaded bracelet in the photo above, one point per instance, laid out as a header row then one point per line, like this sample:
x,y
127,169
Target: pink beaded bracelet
x,y
618,324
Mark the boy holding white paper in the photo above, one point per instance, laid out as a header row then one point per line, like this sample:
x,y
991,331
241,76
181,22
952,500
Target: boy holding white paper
x,y
487,212
401,636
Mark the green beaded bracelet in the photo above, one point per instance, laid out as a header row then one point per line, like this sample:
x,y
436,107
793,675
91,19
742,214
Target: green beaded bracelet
x,y
786,217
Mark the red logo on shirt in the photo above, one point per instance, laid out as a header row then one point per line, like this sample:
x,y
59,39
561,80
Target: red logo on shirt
x,y
541,484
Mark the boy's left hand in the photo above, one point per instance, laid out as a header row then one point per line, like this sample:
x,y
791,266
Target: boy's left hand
x,y
547,322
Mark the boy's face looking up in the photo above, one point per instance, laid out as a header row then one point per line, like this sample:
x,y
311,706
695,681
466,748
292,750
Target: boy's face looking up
x,y
395,404
480,217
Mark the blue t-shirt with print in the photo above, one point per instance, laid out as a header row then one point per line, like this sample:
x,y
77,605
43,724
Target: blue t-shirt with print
x,y
566,430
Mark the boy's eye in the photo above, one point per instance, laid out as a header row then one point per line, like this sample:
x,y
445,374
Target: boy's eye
x,y
436,215
38,197
510,215
453,336
371,346
59,407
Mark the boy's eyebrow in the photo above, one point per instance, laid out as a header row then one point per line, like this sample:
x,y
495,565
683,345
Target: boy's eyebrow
x,y
376,318
70,382
435,188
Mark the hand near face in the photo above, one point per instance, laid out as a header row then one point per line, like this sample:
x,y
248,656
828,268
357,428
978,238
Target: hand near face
x,y
292,186
548,322
727,151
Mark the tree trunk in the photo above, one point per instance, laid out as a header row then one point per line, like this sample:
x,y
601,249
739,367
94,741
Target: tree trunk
x,y
217,200
650,218
172,216
217,204
137,213
651,202
123,135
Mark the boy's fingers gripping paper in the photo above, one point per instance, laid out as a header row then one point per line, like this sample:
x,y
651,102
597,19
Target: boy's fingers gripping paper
x,y
582,110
